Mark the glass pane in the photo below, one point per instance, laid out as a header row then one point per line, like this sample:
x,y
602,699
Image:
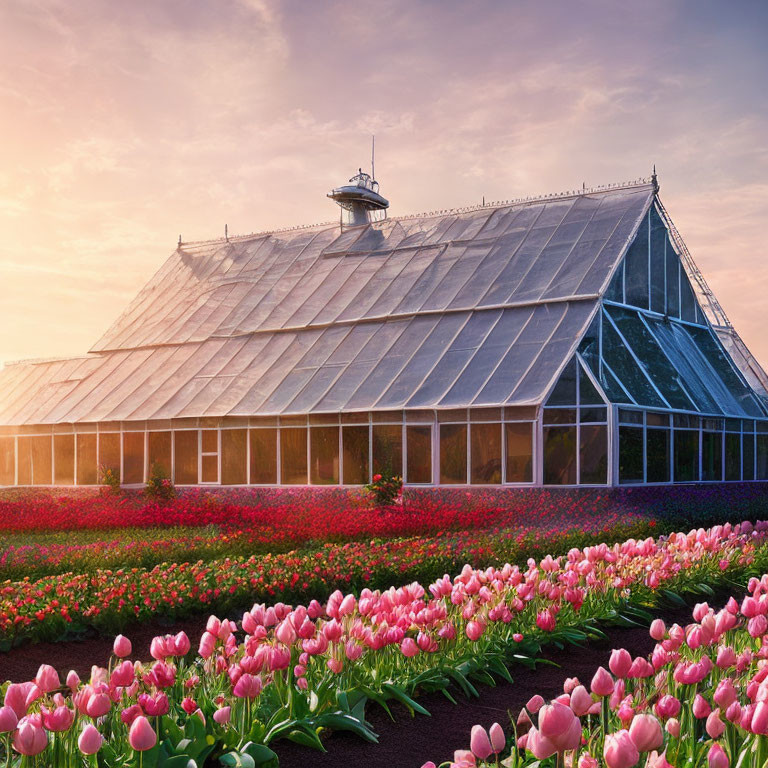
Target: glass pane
x,y
732,456
234,456
564,392
519,449
41,451
589,349
657,419
387,449
673,281
658,266
762,457
87,469
687,300
25,461
626,369
615,290
263,456
419,454
748,463
686,456
133,457
654,362
559,455
627,416
355,448
485,451
324,455
453,453
636,269
159,453
210,469
593,414
109,453
611,387
210,441
7,461
559,416
64,459
712,456
185,444
293,456
588,395
593,458
630,455
657,442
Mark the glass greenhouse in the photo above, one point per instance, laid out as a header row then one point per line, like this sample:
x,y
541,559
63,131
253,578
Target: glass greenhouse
x,y
566,340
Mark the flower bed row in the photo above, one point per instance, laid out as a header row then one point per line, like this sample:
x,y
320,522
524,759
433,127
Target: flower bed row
x,y
699,700
301,669
57,606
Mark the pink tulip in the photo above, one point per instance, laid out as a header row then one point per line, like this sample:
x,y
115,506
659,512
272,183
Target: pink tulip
x,y
141,736
30,738
620,751
672,727
701,708
581,701
716,757
620,662
47,678
409,647
715,726
90,740
73,680
602,682
122,675
8,720
474,630
181,644
247,687
98,705
59,720
479,742
646,732
122,647
759,723
498,738
222,715
535,703
540,746
667,706
559,725
658,629
587,761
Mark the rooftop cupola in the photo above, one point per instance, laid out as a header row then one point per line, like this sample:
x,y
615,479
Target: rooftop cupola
x,y
360,199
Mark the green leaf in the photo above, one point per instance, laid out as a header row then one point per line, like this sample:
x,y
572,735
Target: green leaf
x,y
237,760
262,756
400,695
177,761
340,721
306,739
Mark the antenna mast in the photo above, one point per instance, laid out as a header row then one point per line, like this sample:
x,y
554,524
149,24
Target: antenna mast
x,y
373,157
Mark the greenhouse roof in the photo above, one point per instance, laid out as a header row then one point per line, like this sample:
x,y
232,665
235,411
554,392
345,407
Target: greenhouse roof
x,y
479,307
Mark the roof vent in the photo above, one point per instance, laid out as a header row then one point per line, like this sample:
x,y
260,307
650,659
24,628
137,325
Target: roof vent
x,y
360,200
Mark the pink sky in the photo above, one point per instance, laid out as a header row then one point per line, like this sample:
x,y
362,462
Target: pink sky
x,y
123,125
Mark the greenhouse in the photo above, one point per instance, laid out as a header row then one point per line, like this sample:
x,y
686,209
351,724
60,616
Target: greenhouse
x,y
558,341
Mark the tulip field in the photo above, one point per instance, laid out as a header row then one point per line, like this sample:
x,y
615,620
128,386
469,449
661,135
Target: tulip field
x,y
308,633
700,699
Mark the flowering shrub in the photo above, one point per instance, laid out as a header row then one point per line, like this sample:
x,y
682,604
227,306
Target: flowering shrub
x,y
387,489
296,670
159,485
699,700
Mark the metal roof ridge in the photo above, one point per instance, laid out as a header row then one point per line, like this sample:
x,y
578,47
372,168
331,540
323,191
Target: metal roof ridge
x,y
567,195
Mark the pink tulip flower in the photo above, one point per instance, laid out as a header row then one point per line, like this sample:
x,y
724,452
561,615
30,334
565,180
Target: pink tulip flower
x,y
620,751
141,735
715,726
122,647
90,740
646,732
717,758
602,683
47,678
8,720
479,742
498,738
30,738
620,662
222,715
